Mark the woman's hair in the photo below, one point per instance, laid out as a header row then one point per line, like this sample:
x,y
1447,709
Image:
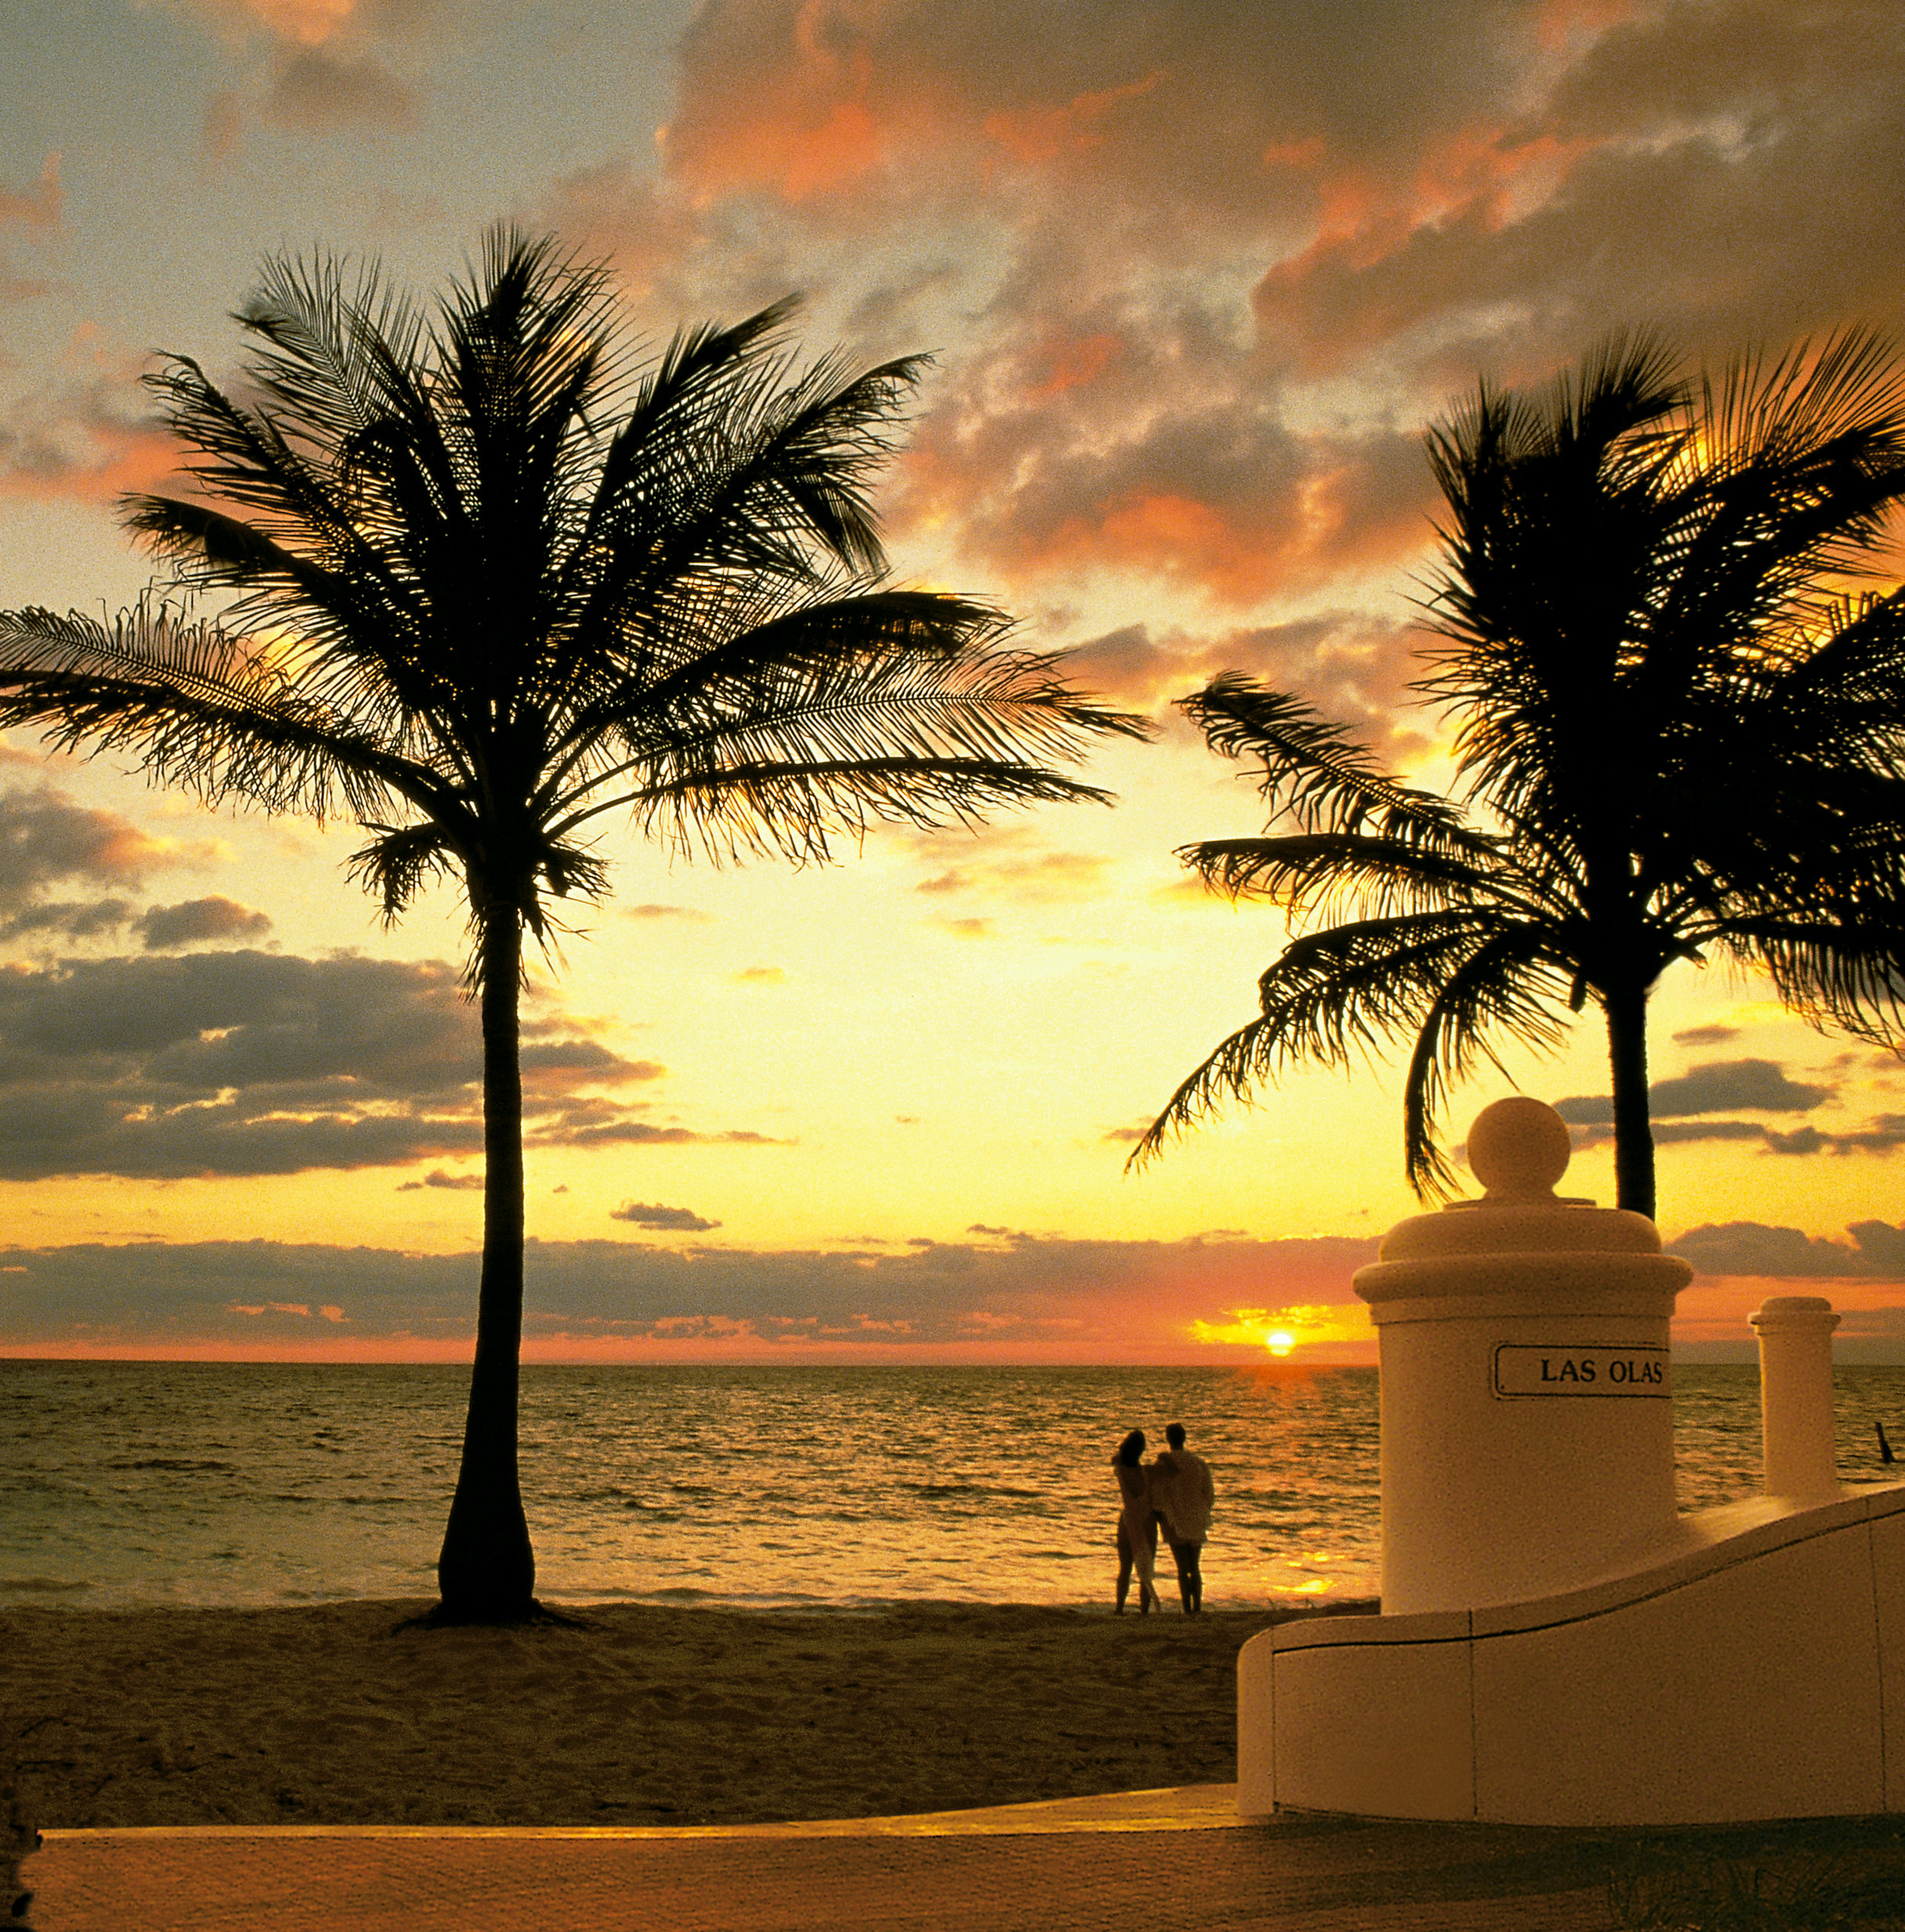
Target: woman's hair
x,y
1132,1448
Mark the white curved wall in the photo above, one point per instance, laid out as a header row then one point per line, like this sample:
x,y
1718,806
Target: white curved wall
x,y
1760,1676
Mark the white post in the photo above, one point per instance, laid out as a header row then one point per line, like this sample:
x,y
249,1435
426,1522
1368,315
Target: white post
x,y
1527,1417
1796,1395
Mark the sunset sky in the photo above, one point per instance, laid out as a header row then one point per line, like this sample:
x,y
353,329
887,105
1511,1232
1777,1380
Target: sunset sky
x,y
1195,277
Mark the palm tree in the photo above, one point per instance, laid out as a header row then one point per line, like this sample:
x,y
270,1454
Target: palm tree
x,y
492,582
1674,738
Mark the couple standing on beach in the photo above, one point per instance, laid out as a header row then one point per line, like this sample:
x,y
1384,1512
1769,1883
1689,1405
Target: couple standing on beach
x,y
1176,1491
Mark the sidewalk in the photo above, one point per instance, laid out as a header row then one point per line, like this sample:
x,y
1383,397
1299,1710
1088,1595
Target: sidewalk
x,y
1180,1858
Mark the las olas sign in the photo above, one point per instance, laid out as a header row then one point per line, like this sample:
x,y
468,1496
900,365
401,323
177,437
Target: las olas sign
x,y
1533,1369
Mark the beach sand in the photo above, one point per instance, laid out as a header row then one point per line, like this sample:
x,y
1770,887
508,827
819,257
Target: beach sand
x,y
337,1714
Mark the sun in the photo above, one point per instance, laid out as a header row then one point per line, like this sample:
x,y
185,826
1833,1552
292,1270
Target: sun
x,y
1280,1342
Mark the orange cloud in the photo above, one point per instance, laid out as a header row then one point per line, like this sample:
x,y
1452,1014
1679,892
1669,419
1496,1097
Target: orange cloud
x,y
1001,866
1296,244
1082,359
800,158
1293,154
36,210
809,130
302,23
1037,135
1354,667
88,437
38,207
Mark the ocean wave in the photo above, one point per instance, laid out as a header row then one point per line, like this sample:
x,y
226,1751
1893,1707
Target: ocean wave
x,y
180,1462
775,1487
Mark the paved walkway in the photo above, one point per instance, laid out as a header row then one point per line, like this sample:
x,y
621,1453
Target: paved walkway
x,y
1179,1859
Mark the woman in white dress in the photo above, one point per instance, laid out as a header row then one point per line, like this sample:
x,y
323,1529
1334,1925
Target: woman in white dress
x,y
1136,1524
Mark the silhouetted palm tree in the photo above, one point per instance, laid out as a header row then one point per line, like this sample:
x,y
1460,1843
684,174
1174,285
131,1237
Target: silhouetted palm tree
x,y
493,582
1673,737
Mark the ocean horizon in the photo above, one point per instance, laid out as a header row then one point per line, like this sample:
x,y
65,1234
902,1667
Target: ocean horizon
x,y
219,1485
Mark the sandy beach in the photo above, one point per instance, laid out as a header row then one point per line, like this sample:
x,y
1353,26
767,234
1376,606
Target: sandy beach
x,y
337,1714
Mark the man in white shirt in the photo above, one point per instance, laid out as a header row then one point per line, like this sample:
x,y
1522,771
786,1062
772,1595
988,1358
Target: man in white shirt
x,y
1182,1493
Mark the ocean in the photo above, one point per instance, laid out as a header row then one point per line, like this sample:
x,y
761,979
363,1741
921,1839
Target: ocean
x,y
131,1483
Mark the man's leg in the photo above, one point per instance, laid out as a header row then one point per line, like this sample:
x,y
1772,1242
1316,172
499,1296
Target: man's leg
x,y
1184,1554
1191,1572
1124,1560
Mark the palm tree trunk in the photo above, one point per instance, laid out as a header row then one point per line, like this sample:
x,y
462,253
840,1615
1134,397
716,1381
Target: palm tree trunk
x,y
1626,1009
487,1571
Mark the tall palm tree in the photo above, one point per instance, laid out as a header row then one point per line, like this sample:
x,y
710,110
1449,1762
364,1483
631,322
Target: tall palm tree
x,y
1675,736
492,582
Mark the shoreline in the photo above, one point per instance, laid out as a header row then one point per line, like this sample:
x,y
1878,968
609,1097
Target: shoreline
x,y
638,1714
64,1600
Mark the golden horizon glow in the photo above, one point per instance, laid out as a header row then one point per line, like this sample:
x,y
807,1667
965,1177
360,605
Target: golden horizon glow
x,y
1282,1330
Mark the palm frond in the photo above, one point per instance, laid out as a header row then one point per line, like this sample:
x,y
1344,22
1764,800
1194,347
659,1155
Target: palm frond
x,y
1338,995
1309,871
810,744
316,319
476,610
197,707
1314,770
873,681
797,809
1507,986
399,861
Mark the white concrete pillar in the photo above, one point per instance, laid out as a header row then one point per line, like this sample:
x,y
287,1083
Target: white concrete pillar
x,y
1527,1411
1796,1395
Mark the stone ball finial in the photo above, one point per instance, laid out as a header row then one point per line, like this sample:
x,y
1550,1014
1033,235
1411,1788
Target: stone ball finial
x,y
1518,1149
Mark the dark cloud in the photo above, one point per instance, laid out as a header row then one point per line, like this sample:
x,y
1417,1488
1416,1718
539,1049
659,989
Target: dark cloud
x,y
436,1177
930,98
549,1065
47,840
1678,1107
675,1220
247,1062
1586,1110
1876,1250
88,435
321,93
1723,1086
1755,193
1705,1036
222,131
198,922
75,920
585,1127
1755,1086
1887,1132
1668,1133
665,913
1116,1297
1354,667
